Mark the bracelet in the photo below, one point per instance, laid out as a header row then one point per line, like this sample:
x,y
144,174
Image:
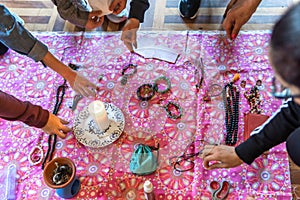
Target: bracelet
x,y
169,111
145,92
129,73
215,90
156,84
127,67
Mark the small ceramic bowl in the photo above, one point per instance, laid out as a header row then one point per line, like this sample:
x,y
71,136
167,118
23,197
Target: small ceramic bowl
x,y
51,166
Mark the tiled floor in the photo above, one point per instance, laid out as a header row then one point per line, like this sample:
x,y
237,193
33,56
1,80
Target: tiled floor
x,y
41,15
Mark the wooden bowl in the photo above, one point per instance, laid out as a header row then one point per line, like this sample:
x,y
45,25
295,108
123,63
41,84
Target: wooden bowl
x,y
50,167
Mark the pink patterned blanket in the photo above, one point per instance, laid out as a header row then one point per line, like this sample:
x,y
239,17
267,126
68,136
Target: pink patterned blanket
x,y
104,172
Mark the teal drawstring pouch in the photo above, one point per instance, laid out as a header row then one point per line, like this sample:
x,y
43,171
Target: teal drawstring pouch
x,y
143,161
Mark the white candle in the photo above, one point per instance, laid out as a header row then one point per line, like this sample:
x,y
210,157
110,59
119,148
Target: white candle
x,y
98,112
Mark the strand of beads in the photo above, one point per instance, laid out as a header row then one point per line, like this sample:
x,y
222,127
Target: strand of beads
x,y
60,93
253,98
36,154
231,97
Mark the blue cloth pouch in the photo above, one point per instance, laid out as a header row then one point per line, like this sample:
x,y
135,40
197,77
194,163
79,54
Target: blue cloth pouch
x,y
143,161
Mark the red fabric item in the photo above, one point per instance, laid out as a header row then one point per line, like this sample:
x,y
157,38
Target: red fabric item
x,y
13,109
251,122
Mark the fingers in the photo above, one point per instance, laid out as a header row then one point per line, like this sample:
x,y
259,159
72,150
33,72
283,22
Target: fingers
x,y
208,150
126,38
228,22
94,22
217,165
100,21
129,39
129,33
235,30
95,19
211,160
210,163
134,42
232,28
89,92
221,156
229,6
63,121
84,86
86,92
209,154
129,46
113,5
62,130
65,129
228,25
55,125
117,6
60,134
92,85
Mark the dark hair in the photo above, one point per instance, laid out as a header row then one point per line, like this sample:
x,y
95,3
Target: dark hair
x,y
285,46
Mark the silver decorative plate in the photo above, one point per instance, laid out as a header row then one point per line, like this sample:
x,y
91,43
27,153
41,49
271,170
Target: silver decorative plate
x,y
87,132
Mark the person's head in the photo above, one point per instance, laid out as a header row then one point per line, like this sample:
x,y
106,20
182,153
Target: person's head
x,y
285,59
285,50
108,6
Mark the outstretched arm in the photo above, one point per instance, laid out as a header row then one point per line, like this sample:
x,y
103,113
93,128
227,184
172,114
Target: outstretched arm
x,y
273,132
237,13
13,109
136,16
79,83
79,17
16,37
221,156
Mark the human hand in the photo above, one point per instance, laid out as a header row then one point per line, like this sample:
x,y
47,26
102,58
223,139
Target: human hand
x,y
129,33
237,13
83,86
220,156
117,6
94,20
55,125
80,84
